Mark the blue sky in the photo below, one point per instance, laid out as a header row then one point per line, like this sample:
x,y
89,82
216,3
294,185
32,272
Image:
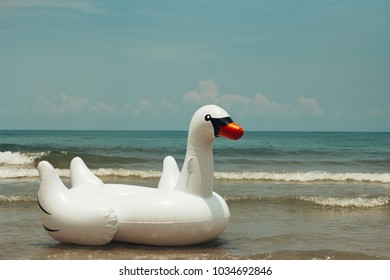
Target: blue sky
x,y
272,64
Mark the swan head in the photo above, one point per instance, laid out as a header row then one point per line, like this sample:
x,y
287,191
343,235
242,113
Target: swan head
x,y
197,174
212,121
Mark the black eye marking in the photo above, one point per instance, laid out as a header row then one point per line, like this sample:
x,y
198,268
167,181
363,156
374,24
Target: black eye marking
x,y
217,123
222,121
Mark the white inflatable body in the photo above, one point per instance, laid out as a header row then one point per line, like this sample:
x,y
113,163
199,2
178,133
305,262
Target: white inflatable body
x,y
182,210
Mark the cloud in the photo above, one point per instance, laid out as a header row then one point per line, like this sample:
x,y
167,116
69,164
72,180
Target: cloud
x,y
379,113
258,105
167,105
312,105
3,110
69,103
72,103
143,105
101,106
44,105
208,92
267,107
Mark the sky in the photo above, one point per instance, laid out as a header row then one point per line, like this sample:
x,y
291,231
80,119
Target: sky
x,y
273,65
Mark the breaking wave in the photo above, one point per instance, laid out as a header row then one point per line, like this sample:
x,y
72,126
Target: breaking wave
x,y
346,202
17,158
302,177
17,198
14,172
358,202
15,165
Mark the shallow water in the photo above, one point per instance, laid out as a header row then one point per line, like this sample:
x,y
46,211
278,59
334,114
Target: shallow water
x,y
263,225
292,195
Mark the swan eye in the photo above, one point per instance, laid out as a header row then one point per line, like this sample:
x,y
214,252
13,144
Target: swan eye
x,y
207,117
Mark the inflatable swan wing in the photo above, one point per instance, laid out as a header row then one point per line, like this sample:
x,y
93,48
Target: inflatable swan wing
x,y
182,210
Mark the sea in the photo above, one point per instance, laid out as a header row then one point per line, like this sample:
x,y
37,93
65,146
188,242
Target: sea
x,y
292,195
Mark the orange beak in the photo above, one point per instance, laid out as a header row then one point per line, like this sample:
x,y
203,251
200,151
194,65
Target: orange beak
x,y
232,131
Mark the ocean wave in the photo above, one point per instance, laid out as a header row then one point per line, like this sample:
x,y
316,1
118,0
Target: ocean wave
x,y
358,202
15,172
347,202
109,172
17,198
18,173
17,158
62,159
305,177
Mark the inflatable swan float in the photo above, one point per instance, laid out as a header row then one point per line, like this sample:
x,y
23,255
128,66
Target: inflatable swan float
x,y
182,210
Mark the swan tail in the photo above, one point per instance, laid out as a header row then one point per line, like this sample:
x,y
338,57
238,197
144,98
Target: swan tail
x,y
81,175
69,219
50,184
170,174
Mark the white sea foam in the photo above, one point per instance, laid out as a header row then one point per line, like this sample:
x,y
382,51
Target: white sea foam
x,y
20,165
16,198
13,172
358,202
16,158
17,165
314,176
109,172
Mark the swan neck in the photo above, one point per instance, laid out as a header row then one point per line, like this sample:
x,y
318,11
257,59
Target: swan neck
x,y
197,174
